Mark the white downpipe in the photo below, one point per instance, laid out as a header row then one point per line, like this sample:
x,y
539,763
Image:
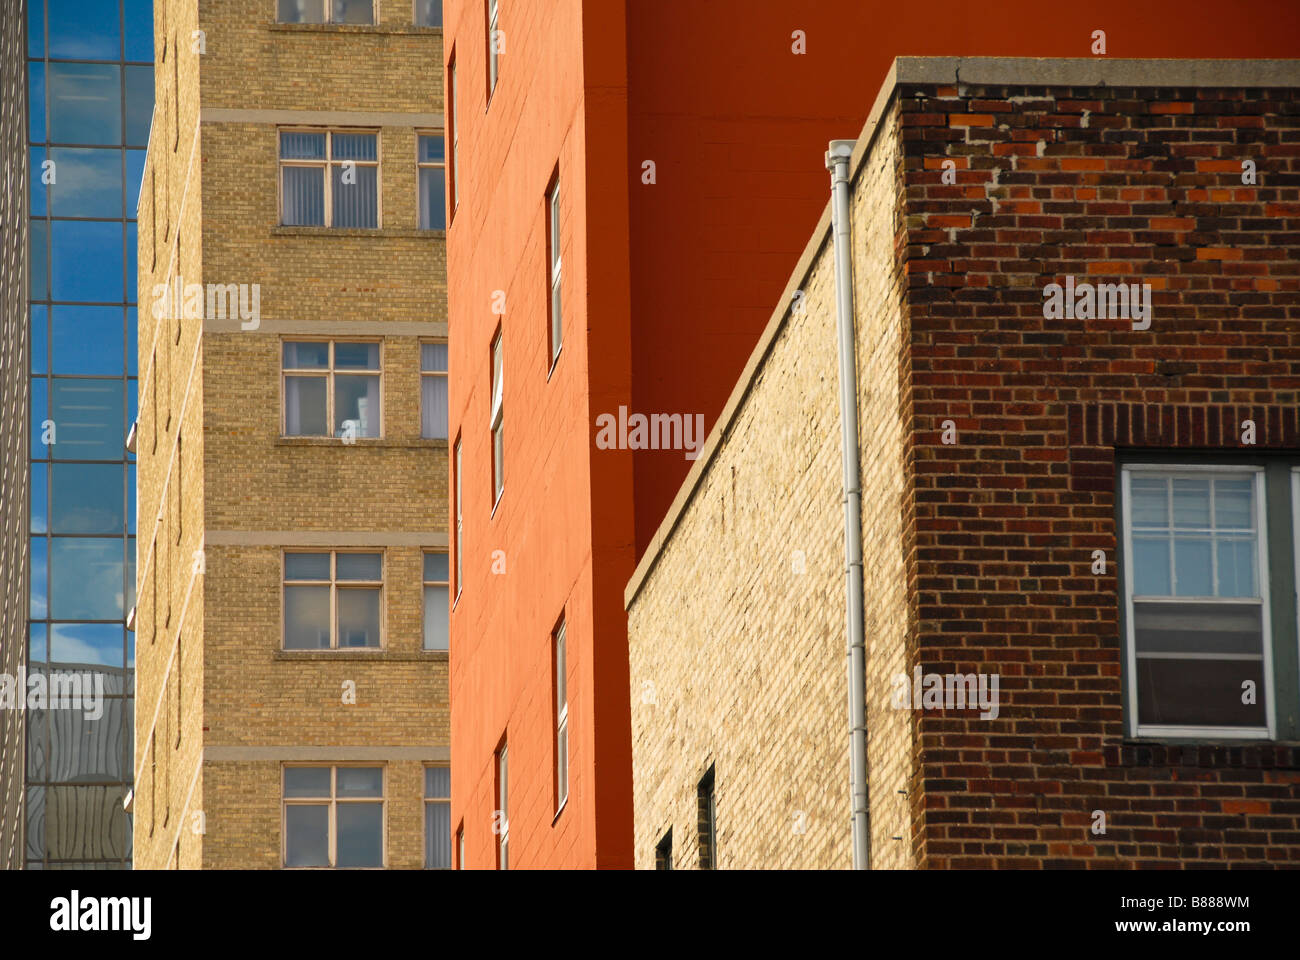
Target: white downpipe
x,y
837,162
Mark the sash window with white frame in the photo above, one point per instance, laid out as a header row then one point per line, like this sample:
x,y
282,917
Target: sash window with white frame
x,y
1197,606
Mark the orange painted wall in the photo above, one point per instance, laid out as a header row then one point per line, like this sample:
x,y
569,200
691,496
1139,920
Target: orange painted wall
x,y
666,288
737,126
562,549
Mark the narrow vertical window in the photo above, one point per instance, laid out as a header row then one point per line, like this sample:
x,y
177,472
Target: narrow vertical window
x,y
176,97
453,114
553,245
179,685
436,601
180,490
707,814
664,851
431,169
498,437
460,543
493,44
437,818
460,846
561,719
501,819
433,391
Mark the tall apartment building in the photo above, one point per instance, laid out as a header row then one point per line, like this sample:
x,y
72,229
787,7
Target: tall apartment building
x,y
292,612
1080,523
81,83
630,188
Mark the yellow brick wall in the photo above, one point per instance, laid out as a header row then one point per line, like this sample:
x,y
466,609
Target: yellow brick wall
x,y
209,213
737,635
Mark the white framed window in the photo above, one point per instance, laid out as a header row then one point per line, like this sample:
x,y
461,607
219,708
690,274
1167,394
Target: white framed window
x,y
333,600
431,172
331,389
459,551
428,13
437,818
553,246
501,818
561,719
437,602
325,11
1198,635
329,178
493,44
433,391
497,422
333,816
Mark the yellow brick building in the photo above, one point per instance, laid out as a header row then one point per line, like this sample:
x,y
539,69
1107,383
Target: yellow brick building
x,y
291,619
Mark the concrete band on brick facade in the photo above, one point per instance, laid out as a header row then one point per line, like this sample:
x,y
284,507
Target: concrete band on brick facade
x,y
333,328
1078,72
295,754
320,118
324,538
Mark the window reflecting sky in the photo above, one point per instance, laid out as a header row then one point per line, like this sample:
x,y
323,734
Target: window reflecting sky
x,y
88,127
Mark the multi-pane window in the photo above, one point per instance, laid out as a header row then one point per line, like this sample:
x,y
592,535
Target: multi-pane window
x,y
431,167
493,43
428,13
333,816
459,550
437,818
436,601
329,178
553,246
433,390
333,600
331,388
501,818
707,815
1199,645
498,434
561,719
325,11
664,851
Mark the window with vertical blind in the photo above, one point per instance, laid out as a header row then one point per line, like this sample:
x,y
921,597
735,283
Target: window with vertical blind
x,y
433,391
1208,572
437,818
329,178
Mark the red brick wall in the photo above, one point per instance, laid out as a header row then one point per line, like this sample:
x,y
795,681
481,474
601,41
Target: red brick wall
x,y
1107,184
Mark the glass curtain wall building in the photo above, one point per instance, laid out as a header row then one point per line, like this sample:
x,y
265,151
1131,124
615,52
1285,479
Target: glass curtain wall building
x,y
90,101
